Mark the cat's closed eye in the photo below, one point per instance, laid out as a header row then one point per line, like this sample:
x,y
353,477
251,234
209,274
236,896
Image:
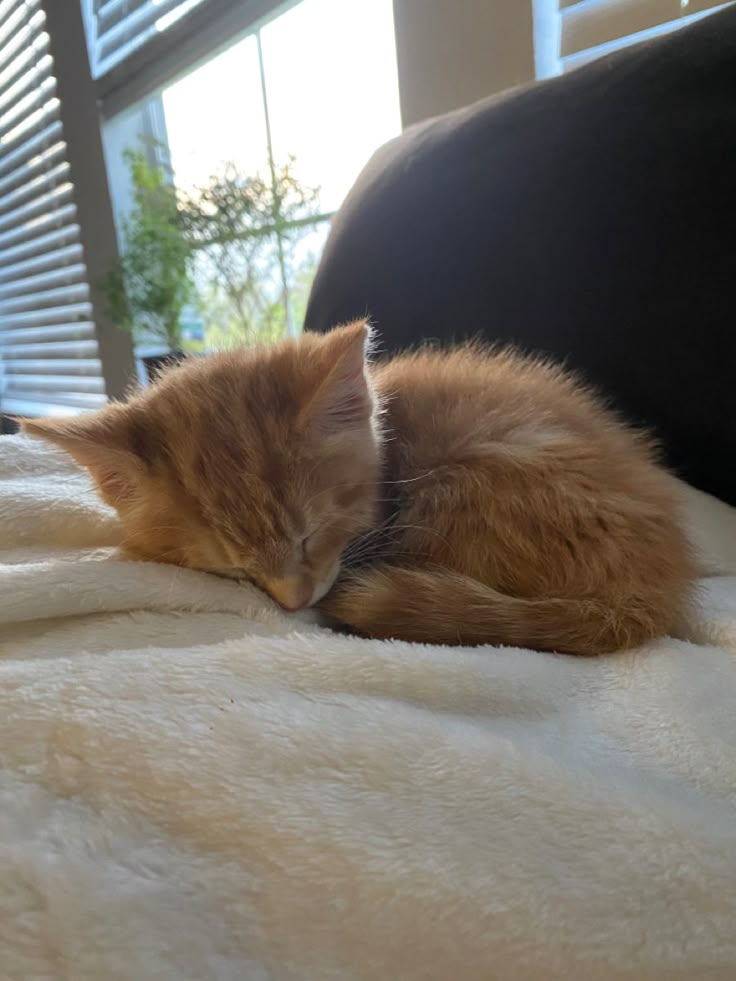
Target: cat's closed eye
x,y
239,575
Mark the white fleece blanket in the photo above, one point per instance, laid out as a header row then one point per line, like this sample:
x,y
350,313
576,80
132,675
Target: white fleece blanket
x,y
194,785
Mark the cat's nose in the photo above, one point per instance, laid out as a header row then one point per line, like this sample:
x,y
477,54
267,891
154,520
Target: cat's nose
x,y
291,592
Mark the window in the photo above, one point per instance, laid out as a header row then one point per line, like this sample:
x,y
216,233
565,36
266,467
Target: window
x,y
49,356
289,114
291,97
570,33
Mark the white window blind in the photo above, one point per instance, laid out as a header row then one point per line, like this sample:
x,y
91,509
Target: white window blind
x,y
115,28
591,28
49,361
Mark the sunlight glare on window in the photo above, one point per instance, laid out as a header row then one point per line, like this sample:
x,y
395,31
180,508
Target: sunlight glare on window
x,y
215,115
332,88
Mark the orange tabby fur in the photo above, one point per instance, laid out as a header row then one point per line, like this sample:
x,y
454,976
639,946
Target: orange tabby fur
x,y
497,502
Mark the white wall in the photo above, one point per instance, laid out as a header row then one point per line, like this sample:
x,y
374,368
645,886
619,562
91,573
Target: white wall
x,y
453,52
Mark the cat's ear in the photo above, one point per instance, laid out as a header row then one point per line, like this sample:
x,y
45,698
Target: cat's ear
x,y
100,442
344,399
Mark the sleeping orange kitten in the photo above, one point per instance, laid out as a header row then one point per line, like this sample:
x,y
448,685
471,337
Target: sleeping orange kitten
x,y
457,497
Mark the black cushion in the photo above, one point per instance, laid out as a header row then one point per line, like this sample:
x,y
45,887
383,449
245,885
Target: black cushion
x,y
591,216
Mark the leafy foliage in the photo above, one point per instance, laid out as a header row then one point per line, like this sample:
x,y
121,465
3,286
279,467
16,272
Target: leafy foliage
x,y
243,231
230,247
149,286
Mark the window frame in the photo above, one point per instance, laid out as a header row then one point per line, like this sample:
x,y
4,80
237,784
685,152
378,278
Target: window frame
x,y
75,88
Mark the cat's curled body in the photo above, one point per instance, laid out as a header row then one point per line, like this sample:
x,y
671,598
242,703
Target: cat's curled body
x,y
457,497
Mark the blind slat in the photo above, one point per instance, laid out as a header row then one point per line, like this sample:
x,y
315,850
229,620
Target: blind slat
x,y
24,288
56,366
18,33
38,384
115,28
26,60
49,315
6,9
61,404
33,123
588,24
38,164
13,222
40,301
17,15
52,260
50,177
134,22
29,92
34,143
46,350
112,10
52,335
19,244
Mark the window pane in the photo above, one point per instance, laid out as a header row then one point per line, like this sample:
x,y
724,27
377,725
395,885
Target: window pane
x,y
241,294
332,89
328,68
215,115
303,257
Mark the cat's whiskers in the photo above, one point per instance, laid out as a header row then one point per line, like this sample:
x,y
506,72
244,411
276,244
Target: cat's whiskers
x,y
426,531
379,536
410,480
379,482
366,543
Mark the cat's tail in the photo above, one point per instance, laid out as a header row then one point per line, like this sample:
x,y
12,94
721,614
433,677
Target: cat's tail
x,y
435,606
